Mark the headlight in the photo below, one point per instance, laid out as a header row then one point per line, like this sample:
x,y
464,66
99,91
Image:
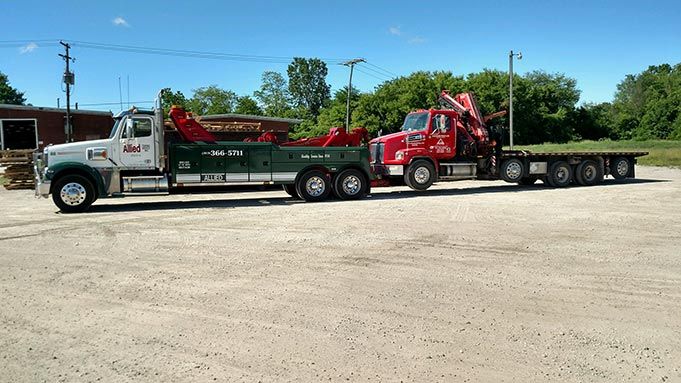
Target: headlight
x,y
399,156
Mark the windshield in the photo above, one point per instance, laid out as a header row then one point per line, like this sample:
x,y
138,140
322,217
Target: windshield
x,y
415,122
115,128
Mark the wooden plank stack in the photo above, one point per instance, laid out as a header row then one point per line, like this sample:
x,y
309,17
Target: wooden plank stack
x,y
18,166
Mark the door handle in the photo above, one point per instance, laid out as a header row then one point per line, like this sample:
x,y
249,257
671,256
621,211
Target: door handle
x,y
242,163
265,163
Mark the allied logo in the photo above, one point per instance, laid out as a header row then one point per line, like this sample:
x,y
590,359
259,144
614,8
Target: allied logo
x,y
129,148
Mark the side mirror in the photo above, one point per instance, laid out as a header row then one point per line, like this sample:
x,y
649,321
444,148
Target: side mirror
x,y
129,124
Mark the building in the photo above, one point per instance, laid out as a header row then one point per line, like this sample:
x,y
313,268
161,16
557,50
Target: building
x,y
237,127
32,127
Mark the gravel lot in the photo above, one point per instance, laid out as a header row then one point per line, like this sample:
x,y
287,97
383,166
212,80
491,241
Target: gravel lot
x,y
471,281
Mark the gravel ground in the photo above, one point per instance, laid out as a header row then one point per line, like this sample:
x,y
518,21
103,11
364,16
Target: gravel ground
x,y
471,281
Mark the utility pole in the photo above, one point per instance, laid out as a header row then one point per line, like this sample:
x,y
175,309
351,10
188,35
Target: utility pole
x,y
510,93
69,78
351,64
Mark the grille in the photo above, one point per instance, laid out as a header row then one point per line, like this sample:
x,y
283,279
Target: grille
x,y
379,153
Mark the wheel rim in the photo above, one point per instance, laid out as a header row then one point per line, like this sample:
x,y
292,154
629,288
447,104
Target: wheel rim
x,y
73,194
422,175
623,167
315,186
562,175
514,171
351,185
589,173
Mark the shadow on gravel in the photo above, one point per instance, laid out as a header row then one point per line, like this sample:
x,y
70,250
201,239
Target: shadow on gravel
x,y
285,201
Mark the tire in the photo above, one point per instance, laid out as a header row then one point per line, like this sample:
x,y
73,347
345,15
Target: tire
x,y
620,167
588,173
290,189
560,174
527,181
420,175
512,170
73,194
350,184
313,186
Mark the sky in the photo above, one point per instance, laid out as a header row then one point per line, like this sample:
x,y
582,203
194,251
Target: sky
x,y
595,42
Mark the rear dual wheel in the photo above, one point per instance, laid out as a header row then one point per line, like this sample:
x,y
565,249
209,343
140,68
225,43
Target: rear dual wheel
x,y
588,173
559,175
620,167
350,184
315,185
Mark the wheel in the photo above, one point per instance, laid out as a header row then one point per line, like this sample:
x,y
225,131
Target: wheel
x,y
420,175
588,173
291,190
619,168
73,194
527,181
512,170
560,174
313,186
350,184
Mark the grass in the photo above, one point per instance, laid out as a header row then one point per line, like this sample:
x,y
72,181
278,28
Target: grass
x,y
661,152
3,180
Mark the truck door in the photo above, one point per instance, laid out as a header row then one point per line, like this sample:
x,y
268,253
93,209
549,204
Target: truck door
x,y
136,144
441,139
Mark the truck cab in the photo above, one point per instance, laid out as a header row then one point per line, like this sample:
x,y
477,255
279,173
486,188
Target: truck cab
x,y
431,144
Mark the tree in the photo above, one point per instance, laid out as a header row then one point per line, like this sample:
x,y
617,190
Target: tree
x,y
332,115
648,105
307,84
273,94
212,100
8,94
170,98
247,105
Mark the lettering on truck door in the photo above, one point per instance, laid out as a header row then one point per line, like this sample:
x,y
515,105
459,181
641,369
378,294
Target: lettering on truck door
x,y
136,145
440,142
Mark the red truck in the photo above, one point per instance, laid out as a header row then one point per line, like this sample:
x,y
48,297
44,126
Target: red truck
x,y
455,142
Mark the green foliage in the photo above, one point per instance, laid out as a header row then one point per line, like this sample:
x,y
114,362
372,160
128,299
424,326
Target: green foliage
x,y
170,98
247,105
273,95
648,105
212,100
307,84
8,94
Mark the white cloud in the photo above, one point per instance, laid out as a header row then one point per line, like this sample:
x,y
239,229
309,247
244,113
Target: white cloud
x,y
416,40
120,22
395,31
28,48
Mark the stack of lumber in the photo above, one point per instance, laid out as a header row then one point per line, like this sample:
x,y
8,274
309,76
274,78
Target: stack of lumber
x,y
18,165
227,126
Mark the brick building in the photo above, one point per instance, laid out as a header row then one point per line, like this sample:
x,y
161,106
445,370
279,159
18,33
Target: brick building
x,y
31,127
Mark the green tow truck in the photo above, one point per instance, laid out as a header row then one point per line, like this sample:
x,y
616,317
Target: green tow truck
x,y
138,158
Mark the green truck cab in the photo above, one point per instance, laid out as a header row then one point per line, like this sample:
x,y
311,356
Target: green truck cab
x,y
138,158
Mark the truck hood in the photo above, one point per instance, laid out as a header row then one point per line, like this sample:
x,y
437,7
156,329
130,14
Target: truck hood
x,y
74,151
398,136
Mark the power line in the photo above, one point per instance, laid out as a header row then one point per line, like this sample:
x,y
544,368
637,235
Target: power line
x,y
194,54
382,69
371,74
114,103
377,73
